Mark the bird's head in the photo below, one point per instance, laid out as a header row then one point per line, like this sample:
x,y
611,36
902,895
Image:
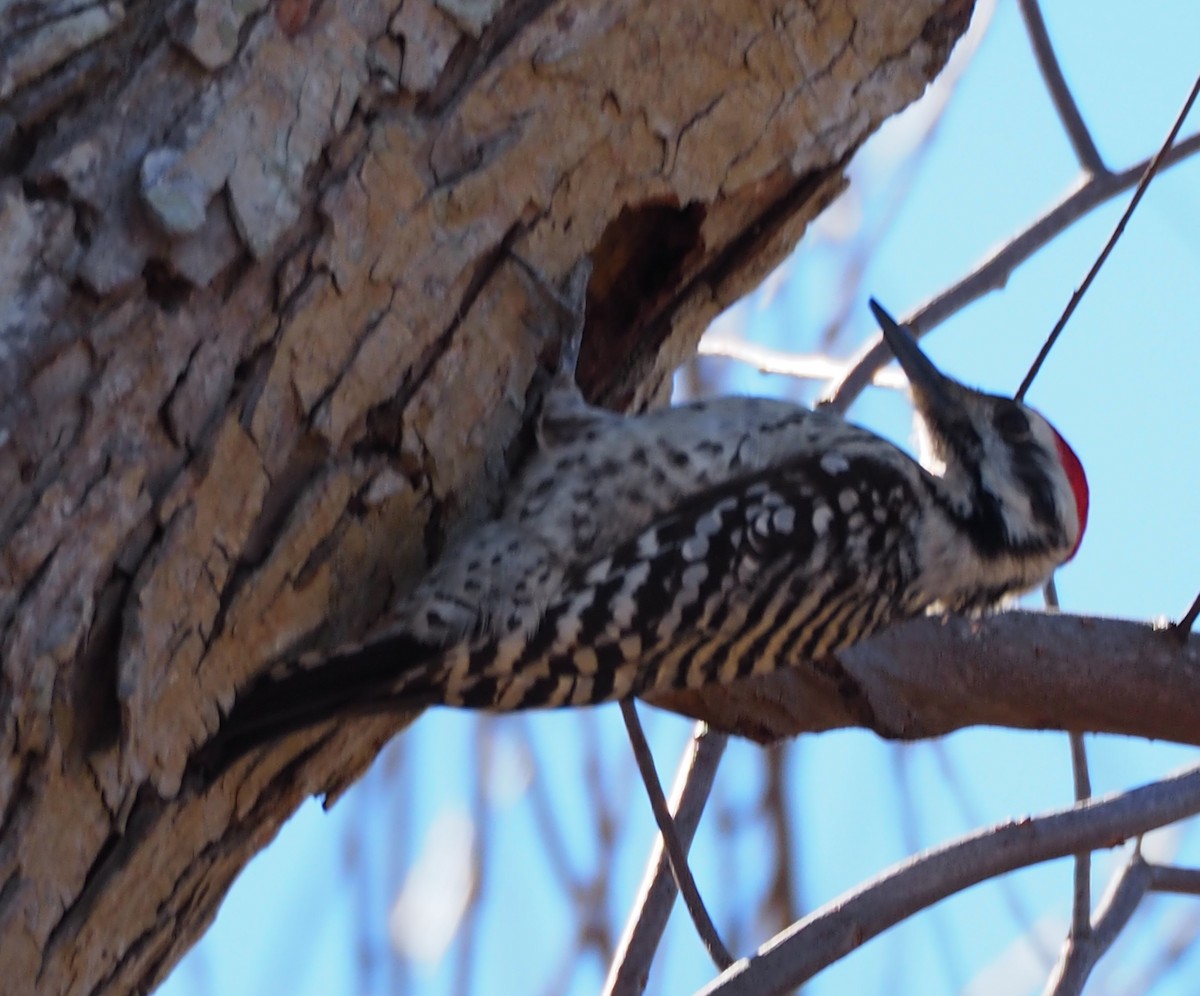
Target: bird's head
x,y
1005,469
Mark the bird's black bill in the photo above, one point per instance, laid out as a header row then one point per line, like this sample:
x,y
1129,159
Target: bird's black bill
x,y
928,383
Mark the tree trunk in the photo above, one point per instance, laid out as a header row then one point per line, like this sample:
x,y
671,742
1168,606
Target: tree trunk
x,y
264,347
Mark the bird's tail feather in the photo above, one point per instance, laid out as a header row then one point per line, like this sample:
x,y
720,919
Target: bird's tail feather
x,y
391,674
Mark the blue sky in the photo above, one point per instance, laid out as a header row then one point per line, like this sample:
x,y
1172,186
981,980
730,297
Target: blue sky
x,y
310,915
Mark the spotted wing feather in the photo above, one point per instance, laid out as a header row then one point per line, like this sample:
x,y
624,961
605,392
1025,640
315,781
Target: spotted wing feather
x,y
756,574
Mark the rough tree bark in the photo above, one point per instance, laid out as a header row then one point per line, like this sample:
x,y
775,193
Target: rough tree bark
x,y
263,348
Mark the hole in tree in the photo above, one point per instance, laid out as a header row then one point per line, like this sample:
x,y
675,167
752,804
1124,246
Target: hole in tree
x,y
638,266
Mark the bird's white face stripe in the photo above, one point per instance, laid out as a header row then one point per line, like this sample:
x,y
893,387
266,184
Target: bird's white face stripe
x,y
1000,476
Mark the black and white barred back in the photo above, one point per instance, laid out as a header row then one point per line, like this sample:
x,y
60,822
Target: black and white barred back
x,y
702,544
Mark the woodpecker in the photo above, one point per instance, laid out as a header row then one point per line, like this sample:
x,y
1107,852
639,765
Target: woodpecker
x,y
701,544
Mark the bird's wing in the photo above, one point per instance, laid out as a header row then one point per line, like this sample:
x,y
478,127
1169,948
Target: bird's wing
x,y
739,580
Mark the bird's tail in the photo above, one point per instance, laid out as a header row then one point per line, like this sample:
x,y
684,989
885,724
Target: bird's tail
x,y
392,674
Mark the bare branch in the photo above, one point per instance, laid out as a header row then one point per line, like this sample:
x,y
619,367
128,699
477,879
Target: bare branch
x,y
1182,628
1124,895
1077,958
928,677
842,925
676,854
1151,170
1100,185
993,272
1064,103
1081,902
650,911
1081,906
788,364
1080,956
1167,878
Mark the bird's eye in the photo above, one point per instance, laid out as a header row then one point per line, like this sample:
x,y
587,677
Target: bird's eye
x,y
1011,423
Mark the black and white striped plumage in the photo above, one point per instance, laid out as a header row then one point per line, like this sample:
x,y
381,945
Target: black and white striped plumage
x,y
702,544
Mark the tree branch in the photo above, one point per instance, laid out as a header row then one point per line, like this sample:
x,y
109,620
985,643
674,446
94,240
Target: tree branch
x,y
1183,881
1081,900
786,363
650,911
842,925
1060,93
928,677
1183,628
1081,904
993,272
676,854
1124,896
1023,670
1152,169
746,717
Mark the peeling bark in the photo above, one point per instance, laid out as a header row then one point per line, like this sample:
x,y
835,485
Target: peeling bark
x,y
263,350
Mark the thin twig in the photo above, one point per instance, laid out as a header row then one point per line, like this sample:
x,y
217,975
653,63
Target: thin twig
x,y
1085,944
1081,903
812,366
1151,170
1081,906
1117,906
650,911
1168,878
844,924
675,850
1182,628
1124,895
993,272
1064,103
